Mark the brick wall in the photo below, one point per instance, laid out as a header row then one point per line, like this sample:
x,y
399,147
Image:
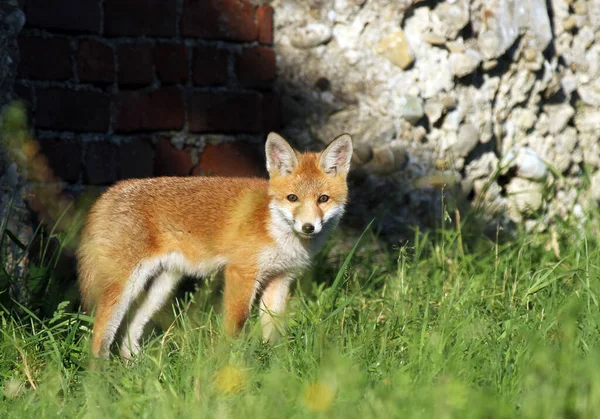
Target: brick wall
x,y
136,88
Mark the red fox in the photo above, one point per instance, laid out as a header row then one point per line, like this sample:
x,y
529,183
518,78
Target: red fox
x,y
143,235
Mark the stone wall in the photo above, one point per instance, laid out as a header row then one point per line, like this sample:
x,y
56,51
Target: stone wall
x,y
497,100
132,88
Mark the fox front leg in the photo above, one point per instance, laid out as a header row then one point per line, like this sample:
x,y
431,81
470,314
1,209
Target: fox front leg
x,y
240,289
272,306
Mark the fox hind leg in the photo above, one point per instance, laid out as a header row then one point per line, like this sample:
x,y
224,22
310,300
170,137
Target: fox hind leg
x,y
160,290
115,300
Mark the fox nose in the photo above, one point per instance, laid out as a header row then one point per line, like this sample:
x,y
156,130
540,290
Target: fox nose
x,y
308,228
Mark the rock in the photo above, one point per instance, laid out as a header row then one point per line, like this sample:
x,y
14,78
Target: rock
x,y
586,119
453,120
434,73
388,158
14,21
455,46
542,126
413,109
504,19
590,93
489,65
434,110
568,83
492,46
449,102
434,39
395,48
579,7
466,186
311,35
595,187
524,195
463,64
567,140
467,140
530,165
483,167
487,189
559,116
346,120
526,118
448,19
378,132
442,164
363,153
591,148
536,20
419,133
569,23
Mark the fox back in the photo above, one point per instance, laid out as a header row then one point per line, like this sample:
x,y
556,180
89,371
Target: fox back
x,y
142,236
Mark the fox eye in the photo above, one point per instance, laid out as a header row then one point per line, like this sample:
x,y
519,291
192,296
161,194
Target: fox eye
x,y
323,198
292,198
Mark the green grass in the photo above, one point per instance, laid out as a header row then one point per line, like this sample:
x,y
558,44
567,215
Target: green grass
x,y
448,325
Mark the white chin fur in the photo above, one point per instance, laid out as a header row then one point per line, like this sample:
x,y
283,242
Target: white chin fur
x,y
283,221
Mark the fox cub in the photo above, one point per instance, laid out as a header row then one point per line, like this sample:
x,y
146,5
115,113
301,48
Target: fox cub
x,y
143,235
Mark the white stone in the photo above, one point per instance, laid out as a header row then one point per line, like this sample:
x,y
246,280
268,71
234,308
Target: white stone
x,y
530,165
559,116
413,109
524,195
485,166
434,110
449,18
464,63
467,140
311,35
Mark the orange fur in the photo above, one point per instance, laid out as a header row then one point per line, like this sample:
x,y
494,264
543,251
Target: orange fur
x,y
197,223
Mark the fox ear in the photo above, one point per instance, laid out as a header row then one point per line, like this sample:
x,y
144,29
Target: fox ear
x,y
281,158
335,160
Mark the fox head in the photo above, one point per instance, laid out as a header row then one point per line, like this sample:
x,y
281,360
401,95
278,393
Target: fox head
x,y
308,191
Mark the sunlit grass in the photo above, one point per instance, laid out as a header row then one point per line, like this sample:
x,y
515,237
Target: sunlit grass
x,y
431,329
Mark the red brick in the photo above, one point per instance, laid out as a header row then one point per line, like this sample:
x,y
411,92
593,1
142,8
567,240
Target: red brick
x,y
135,64
136,159
231,20
65,15
225,112
95,62
140,17
45,59
158,110
170,161
171,62
101,163
231,160
72,110
256,67
210,66
264,18
64,158
271,112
